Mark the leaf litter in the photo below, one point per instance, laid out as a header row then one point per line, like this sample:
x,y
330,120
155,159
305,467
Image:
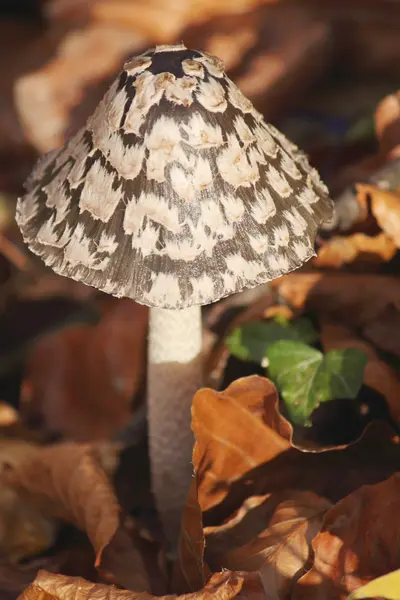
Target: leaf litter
x,y
295,479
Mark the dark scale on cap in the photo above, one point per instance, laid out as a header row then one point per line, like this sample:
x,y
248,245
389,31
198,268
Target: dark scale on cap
x,y
170,61
176,192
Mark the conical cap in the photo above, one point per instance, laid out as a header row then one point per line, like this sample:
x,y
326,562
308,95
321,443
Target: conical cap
x,y
176,192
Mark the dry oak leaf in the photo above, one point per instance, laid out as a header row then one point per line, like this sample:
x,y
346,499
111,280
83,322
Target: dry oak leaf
x,y
358,542
236,430
378,374
270,534
356,248
385,206
221,586
66,481
84,370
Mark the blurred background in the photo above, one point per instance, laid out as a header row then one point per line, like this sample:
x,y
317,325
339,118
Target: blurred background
x,y
73,360
315,68
319,70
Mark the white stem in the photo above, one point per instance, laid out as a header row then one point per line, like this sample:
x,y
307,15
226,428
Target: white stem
x,y
174,375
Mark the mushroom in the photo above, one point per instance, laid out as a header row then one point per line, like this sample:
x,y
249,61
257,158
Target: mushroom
x,y
176,193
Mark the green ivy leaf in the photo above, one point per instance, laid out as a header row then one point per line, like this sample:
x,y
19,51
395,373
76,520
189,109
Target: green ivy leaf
x,y
250,341
305,377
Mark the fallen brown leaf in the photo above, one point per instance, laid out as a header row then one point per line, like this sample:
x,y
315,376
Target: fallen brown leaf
x,y
24,529
385,207
356,248
222,586
358,542
66,481
378,374
236,431
85,370
331,474
269,534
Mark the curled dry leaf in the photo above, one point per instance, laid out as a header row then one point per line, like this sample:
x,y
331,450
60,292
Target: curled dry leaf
x,y
269,534
66,481
236,430
358,542
378,374
85,370
221,586
385,207
356,248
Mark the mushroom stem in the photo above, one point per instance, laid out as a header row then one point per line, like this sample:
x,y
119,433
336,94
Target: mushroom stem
x,y
174,375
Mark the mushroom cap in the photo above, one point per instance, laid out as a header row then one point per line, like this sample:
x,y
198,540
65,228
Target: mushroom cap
x,y
176,192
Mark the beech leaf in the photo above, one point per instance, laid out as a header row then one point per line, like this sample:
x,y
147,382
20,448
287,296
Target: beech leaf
x,y
221,586
236,430
270,534
358,541
387,586
306,377
250,341
67,481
